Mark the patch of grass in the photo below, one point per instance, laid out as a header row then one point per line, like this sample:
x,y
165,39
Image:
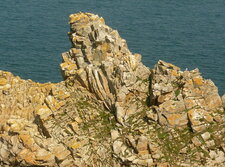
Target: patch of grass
x,y
172,145
162,135
221,112
102,124
177,92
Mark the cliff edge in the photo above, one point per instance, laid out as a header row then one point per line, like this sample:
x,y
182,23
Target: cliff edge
x,y
110,110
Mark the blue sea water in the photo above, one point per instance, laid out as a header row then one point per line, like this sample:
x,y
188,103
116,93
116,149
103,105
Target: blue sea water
x,y
189,34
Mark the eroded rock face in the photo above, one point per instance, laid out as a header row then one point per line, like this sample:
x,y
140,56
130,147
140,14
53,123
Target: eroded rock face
x,y
180,98
25,105
100,61
27,99
110,110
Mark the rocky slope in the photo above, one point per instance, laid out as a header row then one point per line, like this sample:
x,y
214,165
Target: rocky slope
x,y
110,110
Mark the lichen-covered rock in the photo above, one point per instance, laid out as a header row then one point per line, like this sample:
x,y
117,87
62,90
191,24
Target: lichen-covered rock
x,y
100,61
110,110
182,98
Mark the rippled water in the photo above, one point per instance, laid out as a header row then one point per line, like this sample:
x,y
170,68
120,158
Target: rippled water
x,y
189,34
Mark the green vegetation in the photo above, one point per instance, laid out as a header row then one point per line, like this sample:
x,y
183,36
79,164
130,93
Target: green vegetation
x,y
177,92
95,119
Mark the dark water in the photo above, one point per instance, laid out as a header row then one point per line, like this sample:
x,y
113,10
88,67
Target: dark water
x,y
189,34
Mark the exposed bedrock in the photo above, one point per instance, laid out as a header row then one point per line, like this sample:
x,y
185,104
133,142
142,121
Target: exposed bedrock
x,y
183,98
100,61
110,110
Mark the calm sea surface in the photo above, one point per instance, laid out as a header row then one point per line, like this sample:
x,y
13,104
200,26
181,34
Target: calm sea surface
x,y
189,34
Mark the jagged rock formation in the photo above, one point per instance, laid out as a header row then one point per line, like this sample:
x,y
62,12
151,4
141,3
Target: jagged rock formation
x,y
182,98
110,110
100,61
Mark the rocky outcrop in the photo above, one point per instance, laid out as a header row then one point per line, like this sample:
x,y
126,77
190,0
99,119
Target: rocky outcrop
x,y
27,99
100,61
110,110
183,98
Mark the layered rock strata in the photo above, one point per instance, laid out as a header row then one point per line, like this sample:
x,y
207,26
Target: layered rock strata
x,y
100,61
110,110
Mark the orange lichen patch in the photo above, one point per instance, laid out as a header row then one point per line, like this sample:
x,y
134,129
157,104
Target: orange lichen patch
x,y
143,152
27,140
75,51
189,83
76,17
106,47
62,155
176,119
27,156
84,17
198,81
68,66
64,65
3,81
174,73
75,145
168,65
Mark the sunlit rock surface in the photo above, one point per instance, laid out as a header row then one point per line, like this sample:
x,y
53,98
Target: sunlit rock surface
x,y
110,110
